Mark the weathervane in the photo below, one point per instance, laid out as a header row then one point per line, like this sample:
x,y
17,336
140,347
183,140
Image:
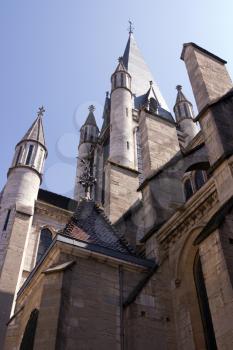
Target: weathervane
x,y
41,111
131,28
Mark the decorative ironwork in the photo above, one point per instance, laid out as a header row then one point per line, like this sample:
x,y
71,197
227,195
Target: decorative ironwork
x,y
91,108
41,111
87,180
131,28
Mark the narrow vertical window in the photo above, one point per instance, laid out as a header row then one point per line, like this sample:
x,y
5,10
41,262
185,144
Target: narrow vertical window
x,y
186,110
29,155
206,317
30,331
199,179
45,241
139,154
40,158
18,155
7,219
115,81
85,135
122,79
188,189
127,111
127,144
179,110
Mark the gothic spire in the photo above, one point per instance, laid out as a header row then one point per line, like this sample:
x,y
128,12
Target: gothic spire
x,y
139,71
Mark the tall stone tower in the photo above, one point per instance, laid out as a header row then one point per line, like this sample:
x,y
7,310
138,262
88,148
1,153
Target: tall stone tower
x,y
121,130
130,152
16,212
88,138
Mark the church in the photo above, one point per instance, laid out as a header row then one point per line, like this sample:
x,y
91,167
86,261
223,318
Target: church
x,y
142,256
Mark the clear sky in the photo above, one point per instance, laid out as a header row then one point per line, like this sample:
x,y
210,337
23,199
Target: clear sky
x,y
61,53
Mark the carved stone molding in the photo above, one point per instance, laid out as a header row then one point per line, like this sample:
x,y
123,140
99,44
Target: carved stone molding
x,y
193,215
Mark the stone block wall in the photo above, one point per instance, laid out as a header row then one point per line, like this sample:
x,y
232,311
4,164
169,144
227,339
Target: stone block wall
x,y
159,141
121,186
207,73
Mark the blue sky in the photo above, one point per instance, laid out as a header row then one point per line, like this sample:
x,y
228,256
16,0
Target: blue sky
x,y
61,53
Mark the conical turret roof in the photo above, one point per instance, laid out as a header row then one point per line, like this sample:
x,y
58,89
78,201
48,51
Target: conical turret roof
x,y
36,131
139,71
180,95
120,66
91,118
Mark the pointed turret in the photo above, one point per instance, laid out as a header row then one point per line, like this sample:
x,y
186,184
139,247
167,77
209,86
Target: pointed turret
x,y
183,107
184,116
121,77
121,134
91,118
17,208
89,130
31,150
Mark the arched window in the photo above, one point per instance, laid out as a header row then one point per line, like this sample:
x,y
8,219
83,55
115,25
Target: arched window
x,y
45,241
30,331
188,189
204,305
199,179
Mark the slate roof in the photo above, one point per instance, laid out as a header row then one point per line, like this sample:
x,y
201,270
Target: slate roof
x,y
57,200
90,224
35,132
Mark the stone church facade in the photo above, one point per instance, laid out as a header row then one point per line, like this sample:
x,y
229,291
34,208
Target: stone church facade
x,y
142,257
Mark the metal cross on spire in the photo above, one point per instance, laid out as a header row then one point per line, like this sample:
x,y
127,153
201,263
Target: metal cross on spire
x,y
91,108
41,111
131,28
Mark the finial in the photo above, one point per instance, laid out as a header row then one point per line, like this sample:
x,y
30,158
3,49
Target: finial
x,y
41,111
179,87
91,108
131,28
120,59
107,93
151,82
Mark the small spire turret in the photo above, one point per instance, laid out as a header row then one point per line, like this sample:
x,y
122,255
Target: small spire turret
x,y
184,116
183,107
89,131
121,78
31,150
